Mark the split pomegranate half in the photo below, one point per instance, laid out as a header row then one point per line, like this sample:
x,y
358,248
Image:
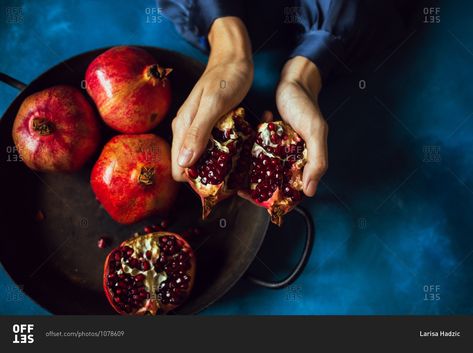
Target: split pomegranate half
x,y
220,172
149,274
278,157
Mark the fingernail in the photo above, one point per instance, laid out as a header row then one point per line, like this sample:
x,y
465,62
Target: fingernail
x,y
311,188
185,156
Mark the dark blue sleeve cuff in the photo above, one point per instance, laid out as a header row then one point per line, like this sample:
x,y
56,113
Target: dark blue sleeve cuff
x,y
322,48
207,11
193,18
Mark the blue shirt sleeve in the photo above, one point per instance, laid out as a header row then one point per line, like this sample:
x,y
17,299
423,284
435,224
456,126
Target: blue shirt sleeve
x,y
193,18
337,33
207,11
329,27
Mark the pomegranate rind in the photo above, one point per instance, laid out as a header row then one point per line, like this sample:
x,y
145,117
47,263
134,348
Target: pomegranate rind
x,y
116,177
151,306
132,93
73,135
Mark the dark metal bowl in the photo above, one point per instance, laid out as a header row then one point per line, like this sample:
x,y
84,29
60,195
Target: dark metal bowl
x,y
56,260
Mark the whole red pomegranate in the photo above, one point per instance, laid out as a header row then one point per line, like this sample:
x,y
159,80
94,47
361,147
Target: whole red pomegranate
x,y
277,161
56,130
149,274
220,172
132,177
131,91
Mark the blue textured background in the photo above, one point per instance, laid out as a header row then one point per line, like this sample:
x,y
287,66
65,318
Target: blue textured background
x,y
394,213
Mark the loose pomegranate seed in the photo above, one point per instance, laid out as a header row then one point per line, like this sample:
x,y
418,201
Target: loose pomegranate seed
x,y
148,229
186,234
39,216
102,242
157,228
164,223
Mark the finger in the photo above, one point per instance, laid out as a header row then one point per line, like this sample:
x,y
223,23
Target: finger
x,y
267,116
244,194
211,108
317,157
180,124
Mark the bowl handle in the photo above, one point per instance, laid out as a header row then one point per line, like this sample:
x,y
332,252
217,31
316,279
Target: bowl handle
x,y
12,81
309,241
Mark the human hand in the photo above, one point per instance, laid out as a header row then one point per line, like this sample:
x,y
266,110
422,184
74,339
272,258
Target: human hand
x,y
223,85
296,99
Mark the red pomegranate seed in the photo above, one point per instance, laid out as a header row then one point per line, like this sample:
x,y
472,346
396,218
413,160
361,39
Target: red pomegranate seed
x,y
148,254
140,277
186,234
102,242
164,223
148,229
129,251
39,216
145,266
193,173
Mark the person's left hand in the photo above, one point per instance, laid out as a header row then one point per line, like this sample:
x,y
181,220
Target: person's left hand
x,y
296,99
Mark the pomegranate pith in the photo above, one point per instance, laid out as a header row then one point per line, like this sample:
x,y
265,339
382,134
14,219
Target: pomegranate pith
x,y
220,172
149,274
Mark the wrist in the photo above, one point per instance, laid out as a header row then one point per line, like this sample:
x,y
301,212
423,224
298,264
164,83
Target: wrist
x,y
229,40
303,72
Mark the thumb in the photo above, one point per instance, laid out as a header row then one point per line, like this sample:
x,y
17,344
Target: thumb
x,y
317,157
195,142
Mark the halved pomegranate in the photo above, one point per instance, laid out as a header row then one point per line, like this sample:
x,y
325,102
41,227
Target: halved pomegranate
x,y
278,157
149,274
217,175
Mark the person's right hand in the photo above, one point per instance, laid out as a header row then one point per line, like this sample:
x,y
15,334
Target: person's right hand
x,y
223,85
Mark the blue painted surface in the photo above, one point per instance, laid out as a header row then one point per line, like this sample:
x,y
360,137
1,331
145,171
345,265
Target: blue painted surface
x,y
393,215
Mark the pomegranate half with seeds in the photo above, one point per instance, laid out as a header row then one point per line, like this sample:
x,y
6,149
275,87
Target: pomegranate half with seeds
x,y
220,172
149,274
278,157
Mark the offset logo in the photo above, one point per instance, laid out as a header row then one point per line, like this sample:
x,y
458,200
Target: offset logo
x,y
23,333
